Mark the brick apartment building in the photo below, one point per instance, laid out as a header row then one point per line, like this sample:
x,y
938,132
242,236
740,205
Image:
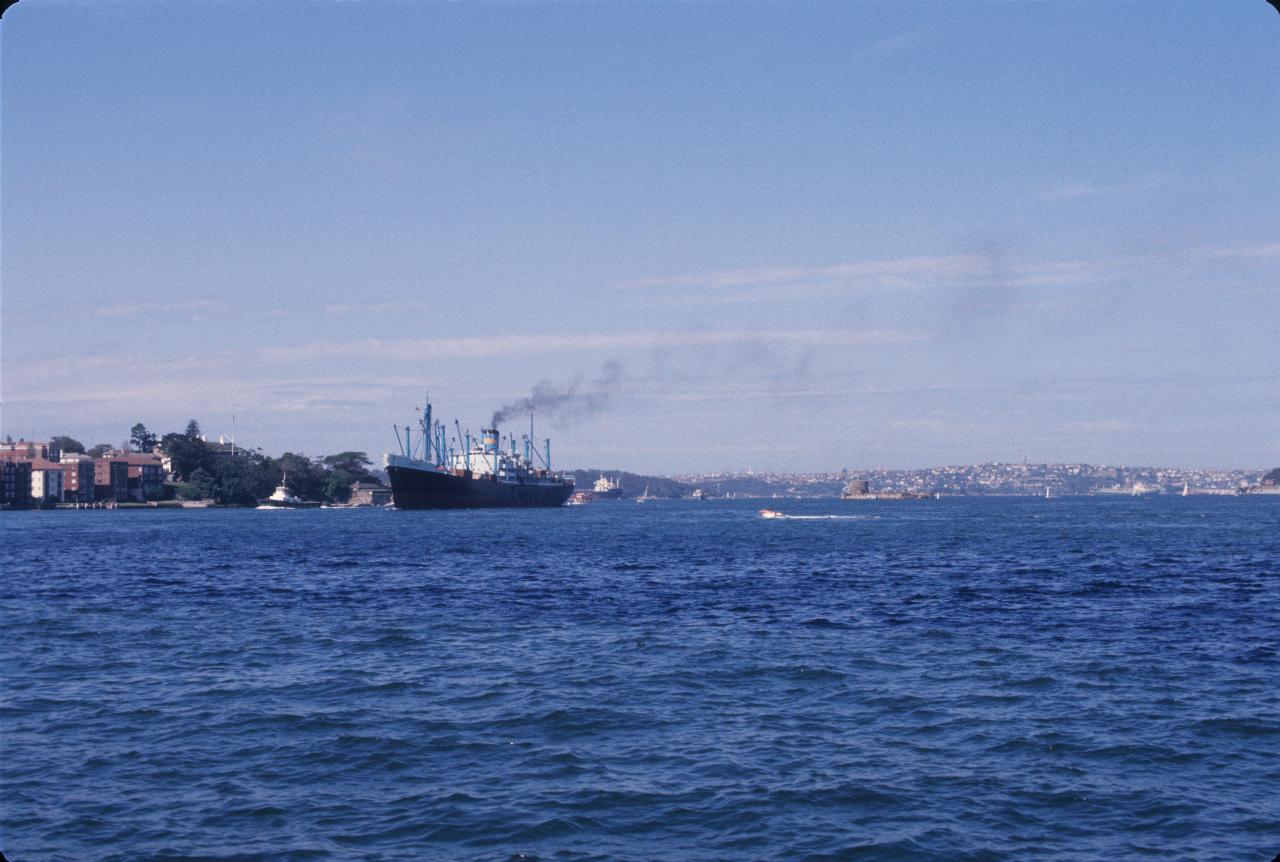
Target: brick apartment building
x,y
146,475
116,478
77,480
136,476
47,481
110,480
15,483
26,450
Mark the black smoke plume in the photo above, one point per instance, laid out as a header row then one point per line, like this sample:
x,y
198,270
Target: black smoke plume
x,y
560,404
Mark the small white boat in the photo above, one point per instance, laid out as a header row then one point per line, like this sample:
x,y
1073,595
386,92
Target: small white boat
x,y
771,513
281,499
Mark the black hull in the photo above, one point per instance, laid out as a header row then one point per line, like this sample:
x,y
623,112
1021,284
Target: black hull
x,y
423,489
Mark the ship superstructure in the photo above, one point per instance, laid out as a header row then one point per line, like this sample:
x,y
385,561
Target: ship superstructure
x,y
443,471
606,488
860,489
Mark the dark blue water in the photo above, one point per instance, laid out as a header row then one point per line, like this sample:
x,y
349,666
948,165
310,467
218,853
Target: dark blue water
x,y
943,680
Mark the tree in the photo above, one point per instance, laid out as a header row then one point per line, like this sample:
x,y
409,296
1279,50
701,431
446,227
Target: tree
x,y
355,464
142,439
193,429
205,483
99,450
345,469
337,485
236,481
186,455
268,475
303,477
68,444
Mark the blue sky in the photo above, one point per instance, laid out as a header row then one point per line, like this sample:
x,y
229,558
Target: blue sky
x,y
811,235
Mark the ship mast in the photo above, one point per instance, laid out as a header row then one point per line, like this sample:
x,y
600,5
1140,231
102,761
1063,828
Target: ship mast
x,y
426,431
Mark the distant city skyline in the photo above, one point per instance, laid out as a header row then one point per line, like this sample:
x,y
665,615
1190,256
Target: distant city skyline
x,y
787,237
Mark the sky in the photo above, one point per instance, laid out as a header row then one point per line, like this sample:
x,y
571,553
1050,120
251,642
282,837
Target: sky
x,y
746,235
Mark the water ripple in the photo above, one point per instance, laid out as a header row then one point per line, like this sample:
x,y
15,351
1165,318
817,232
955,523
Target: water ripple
x,y
963,680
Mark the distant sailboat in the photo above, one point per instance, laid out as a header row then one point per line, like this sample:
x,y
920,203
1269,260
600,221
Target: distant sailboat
x,y
1048,492
645,497
1186,489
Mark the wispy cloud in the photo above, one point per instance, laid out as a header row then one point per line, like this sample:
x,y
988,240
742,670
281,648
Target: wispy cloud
x,y
898,272
1072,191
132,307
94,368
188,390
189,381
511,345
906,273
379,307
1100,426
932,272
1069,190
156,309
1263,251
947,427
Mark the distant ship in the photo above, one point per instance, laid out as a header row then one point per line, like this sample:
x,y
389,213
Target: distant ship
x,y
606,488
860,489
1134,490
646,496
437,472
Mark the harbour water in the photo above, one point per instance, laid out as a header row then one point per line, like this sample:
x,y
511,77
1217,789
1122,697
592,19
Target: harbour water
x,y
963,679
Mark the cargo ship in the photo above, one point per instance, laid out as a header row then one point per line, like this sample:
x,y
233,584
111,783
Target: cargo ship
x,y
606,488
492,470
860,489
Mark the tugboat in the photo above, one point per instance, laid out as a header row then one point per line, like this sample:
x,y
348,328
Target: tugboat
x,y
281,499
466,472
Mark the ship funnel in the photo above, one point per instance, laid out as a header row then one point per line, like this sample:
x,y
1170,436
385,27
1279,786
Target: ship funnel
x,y
490,440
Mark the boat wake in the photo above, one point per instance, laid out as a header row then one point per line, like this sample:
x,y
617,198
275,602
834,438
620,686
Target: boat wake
x,y
779,516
